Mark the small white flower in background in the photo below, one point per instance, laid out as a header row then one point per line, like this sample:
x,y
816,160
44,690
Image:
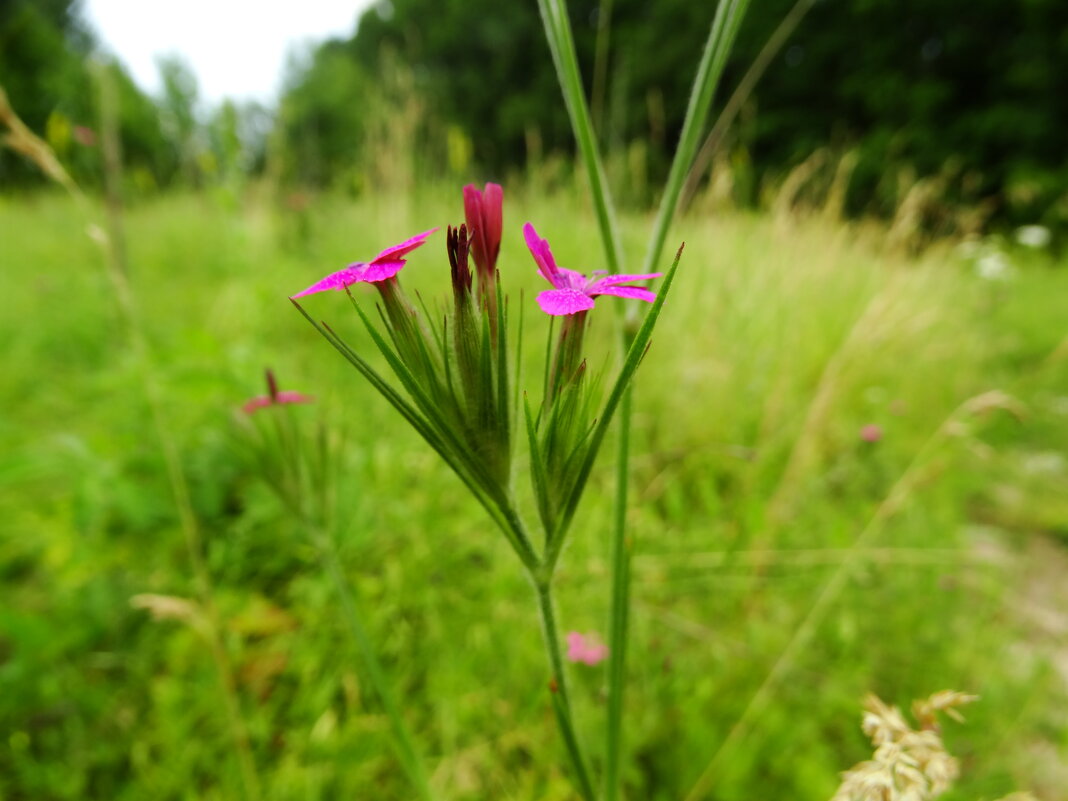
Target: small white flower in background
x,y
969,247
1048,463
1033,236
993,266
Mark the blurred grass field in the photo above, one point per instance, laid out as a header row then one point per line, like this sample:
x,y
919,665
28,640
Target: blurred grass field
x,y
783,338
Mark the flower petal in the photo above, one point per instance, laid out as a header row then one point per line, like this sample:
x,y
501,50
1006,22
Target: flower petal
x,y
395,253
564,301
636,292
585,649
539,249
381,270
483,212
597,284
338,280
570,279
493,213
254,404
287,396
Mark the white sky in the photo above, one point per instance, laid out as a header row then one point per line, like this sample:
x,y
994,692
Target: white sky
x,y
237,48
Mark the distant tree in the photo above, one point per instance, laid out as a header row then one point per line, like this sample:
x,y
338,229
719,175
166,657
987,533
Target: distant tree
x,y
323,112
44,50
974,94
178,114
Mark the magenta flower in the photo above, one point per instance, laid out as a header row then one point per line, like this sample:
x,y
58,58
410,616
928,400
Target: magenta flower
x,y
871,433
385,265
586,650
273,397
484,214
573,292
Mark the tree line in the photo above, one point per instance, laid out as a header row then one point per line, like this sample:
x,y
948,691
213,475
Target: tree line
x,y
971,96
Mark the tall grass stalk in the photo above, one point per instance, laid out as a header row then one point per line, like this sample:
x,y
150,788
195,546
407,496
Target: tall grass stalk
x,y
892,502
22,140
114,247
729,14
729,112
562,46
805,444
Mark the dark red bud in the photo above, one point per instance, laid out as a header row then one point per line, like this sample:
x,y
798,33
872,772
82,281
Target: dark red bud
x,y
458,244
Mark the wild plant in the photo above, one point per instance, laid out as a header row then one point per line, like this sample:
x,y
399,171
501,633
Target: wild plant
x,y
453,383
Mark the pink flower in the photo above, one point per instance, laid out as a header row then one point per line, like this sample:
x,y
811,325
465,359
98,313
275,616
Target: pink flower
x,y
84,136
586,650
572,291
385,265
484,213
273,397
871,433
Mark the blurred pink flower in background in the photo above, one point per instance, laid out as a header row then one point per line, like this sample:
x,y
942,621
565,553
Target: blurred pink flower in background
x,y
584,649
84,136
871,433
274,397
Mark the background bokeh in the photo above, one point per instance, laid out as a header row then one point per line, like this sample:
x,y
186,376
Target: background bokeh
x,y
867,341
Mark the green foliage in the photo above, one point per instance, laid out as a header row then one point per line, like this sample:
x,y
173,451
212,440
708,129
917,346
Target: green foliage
x,y
97,700
44,52
975,98
42,48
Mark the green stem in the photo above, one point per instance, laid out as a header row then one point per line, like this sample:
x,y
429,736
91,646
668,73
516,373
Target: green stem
x,y
729,14
619,612
402,738
113,245
558,688
562,45
741,93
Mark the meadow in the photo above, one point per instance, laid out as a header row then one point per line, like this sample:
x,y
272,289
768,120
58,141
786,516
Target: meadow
x,y
848,477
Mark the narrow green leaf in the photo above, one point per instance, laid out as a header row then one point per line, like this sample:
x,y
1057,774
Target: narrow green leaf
x,y
438,340
725,24
518,355
503,416
537,472
498,508
562,47
626,373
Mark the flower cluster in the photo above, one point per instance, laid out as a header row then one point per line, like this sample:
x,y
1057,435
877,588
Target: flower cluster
x,y
454,382
908,765
274,397
456,379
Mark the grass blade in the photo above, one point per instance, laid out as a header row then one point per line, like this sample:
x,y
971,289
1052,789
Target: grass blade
x,y
728,19
626,373
562,45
